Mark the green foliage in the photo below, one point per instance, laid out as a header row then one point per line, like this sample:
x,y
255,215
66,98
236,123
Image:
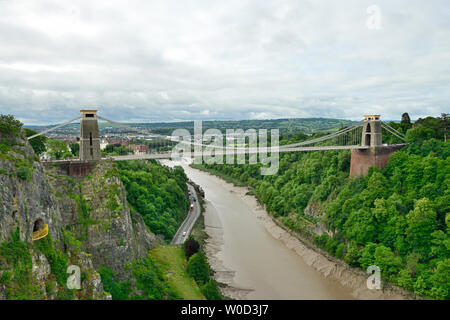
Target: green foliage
x,y
17,253
24,173
210,290
58,260
150,281
71,243
118,291
441,280
367,256
18,282
352,255
117,150
385,259
397,218
157,193
9,125
191,246
421,224
6,277
37,143
75,149
198,268
58,149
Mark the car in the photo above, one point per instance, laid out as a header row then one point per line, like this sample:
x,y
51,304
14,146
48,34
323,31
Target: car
x,y
184,233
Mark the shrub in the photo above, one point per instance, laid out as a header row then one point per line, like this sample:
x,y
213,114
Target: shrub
x,y
191,247
24,173
9,125
331,246
210,290
6,277
57,259
198,268
340,250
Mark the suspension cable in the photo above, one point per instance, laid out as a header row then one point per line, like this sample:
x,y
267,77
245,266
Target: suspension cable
x,y
385,124
392,132
54,128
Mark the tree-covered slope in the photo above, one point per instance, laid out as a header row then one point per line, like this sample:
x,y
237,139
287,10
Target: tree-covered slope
x,y
157,193
397,218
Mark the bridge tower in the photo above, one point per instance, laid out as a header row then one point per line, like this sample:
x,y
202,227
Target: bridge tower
x,y
371,134
89,136
376,154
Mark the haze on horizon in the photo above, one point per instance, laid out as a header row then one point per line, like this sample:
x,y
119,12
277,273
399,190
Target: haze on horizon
x,y
165,61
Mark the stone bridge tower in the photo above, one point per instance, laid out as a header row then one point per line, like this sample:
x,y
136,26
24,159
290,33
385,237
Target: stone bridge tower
x,y
89,136
371,134
376,154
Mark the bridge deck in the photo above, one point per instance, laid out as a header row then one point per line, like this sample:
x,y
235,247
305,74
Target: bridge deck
x,y
168,155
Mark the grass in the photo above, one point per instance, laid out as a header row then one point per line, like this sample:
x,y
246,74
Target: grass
x,y
172,262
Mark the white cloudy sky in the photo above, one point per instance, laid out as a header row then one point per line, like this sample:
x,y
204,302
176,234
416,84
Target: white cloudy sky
x,y
151,60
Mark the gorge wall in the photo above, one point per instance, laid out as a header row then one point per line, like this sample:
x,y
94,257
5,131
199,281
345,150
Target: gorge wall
x,y
90,212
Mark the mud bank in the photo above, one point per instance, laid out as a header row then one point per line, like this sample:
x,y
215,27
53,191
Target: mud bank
x,y
329,267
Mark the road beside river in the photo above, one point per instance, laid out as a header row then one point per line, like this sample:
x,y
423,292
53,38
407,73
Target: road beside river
x,y
257,259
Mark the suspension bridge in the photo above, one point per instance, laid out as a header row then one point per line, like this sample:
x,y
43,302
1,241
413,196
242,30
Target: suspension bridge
x,y
363,138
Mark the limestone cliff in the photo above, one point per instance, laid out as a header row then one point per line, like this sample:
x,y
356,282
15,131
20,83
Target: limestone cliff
x,y
96,210
89,221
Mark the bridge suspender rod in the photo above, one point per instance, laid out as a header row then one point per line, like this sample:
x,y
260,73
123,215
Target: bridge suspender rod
x,y
387,128
54,128
130,128
330,136
399,133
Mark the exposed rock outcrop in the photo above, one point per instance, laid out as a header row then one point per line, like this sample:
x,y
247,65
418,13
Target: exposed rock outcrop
x,y
94,209
25,199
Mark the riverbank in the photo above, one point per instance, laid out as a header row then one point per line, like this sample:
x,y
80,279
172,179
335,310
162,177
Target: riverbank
x,y
328,266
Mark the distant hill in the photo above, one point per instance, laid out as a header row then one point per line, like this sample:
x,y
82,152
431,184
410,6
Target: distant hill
x,y
286,126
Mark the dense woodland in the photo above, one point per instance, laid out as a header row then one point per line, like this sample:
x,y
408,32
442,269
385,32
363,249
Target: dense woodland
x,y
397,218
157,193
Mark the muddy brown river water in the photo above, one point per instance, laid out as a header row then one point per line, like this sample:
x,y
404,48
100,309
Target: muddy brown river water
x,y
257,259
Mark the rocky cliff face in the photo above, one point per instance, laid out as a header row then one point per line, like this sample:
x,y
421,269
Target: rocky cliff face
x,y
25,195
91,211
96,210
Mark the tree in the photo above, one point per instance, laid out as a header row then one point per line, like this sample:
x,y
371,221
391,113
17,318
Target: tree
x,y
75,149
37,143
421,224
9,125
425,129
367,256
440,245
190,247
389,263
198,268
117,149
445,124
57,148
405,119
210,291
352,255
405,123
440,280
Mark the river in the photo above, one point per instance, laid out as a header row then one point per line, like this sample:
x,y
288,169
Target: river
x,y
246,256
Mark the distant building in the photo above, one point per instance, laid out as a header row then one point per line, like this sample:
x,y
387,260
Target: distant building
x,y
125,143
140,148
103,143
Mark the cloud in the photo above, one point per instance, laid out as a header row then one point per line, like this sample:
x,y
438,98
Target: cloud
x,y
247,59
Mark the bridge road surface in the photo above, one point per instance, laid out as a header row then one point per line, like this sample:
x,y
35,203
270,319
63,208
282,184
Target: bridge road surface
x,y
190,220
168,155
